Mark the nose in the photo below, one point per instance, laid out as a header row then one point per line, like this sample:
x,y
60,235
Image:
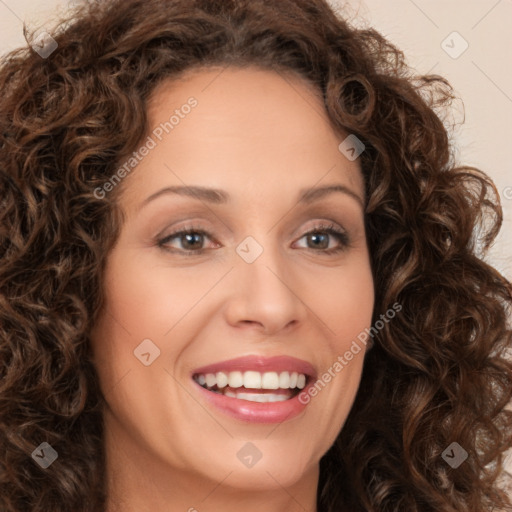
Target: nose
x,y
266,295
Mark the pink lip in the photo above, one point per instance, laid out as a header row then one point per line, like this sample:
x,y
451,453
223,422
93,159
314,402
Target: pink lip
x,y
260,364
256,412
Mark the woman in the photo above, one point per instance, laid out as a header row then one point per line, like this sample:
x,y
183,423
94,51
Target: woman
x,y
240,268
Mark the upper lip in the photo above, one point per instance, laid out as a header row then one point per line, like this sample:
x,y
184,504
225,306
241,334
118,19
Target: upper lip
x,y
260,364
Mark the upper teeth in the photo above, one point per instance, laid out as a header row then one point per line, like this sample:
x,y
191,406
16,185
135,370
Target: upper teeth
x,y
253,380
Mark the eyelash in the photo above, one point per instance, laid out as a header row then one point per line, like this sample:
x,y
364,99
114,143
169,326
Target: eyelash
x,y
329,229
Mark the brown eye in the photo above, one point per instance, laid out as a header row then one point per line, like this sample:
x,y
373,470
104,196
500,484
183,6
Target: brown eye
x,y
320,237
191,241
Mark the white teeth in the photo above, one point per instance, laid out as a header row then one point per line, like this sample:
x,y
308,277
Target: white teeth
x,y
253,380
235,379
211,380
270,380
284,380
276,398
222,380
255,397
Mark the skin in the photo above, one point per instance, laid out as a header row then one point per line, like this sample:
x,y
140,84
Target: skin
x,y
261,136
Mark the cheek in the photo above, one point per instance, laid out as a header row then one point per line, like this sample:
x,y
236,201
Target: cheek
x,y
143,300
147,298
343,301
346,308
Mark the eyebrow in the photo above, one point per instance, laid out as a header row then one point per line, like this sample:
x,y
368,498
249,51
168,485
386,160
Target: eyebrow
x,y
217,196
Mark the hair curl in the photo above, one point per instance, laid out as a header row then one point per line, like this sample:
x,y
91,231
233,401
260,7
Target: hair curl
x,y
437,373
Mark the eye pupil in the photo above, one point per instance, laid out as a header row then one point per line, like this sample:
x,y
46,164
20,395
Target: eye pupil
x,y
197,237
316,237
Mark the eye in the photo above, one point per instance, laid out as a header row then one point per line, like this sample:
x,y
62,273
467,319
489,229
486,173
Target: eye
x,y
320,236
191,239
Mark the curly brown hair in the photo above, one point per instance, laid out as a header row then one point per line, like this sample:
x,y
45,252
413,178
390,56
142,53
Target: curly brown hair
x,y
437,374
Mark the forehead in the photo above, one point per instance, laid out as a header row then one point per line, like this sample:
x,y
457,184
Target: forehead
x,y
252,127
210,80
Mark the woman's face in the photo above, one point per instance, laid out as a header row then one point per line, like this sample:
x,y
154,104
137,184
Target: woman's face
x,y
256,285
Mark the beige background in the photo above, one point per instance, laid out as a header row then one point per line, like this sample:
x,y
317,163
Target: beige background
x,y
481,75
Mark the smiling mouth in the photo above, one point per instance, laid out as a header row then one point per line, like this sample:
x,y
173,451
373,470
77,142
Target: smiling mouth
x,y
260,393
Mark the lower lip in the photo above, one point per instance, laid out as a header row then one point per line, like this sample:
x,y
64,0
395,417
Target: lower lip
x,y
255,412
